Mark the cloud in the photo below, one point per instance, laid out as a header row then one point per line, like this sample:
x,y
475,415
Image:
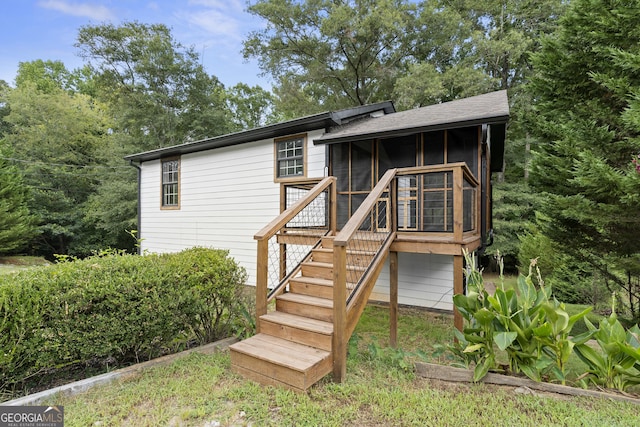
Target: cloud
x,y
215,22
96,12
218,22
219,4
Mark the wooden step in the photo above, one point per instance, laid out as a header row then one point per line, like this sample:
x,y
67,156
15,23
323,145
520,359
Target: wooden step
x,y
274,361
354,257
324,270
303,330
305,305
327,242
314,286
322,255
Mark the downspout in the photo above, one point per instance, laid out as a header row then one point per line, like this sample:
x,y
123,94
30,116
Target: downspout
x,y
486,192
139,231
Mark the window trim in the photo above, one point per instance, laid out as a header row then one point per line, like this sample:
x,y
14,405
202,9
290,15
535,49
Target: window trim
x,y
276,168
162,183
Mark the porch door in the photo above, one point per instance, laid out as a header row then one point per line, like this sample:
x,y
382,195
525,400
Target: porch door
x,y
401,153
352,163
359,165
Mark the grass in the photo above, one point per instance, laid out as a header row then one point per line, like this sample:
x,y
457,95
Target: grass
x,y
201,390
12,264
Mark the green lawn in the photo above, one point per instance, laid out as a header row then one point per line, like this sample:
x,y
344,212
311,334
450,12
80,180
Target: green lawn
x,y
12,264
200,390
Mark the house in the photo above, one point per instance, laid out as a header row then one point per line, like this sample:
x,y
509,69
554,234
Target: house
x,y
329,211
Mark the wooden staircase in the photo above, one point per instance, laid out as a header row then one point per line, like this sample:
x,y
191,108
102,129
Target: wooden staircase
x,y
293,346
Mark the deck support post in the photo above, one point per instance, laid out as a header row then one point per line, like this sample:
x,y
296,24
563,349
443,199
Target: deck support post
x,y
458,288
261,280
393,299
339,345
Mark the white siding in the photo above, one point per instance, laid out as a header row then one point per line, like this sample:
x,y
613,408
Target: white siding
x,y
424,280
226,196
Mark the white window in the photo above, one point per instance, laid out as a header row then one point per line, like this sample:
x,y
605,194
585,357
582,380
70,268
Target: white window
x,y
290,157
170,183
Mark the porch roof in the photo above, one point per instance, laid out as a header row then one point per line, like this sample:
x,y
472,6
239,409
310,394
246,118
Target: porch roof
x,y
490,108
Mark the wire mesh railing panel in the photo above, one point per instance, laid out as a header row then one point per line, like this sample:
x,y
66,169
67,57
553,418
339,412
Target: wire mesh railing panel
x,y
284,258
366,242
315,215
292,244
437,201
468,206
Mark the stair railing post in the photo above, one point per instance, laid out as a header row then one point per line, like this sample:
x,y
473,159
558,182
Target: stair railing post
x,y
333,207
339,346
393,269
458,206
261,280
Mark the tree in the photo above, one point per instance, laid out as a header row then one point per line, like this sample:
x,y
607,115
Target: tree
x,y
16,223
250,107
54,136
157,89
466,48
424,84
5,109
505,32
586,87
334,53
48,76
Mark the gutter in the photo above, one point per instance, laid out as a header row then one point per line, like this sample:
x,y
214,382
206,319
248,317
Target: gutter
x,y
139,233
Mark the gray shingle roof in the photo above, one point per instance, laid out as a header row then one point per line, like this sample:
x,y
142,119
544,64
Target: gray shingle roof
x,y
488,108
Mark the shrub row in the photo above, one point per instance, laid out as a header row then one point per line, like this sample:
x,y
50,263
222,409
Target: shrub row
x,y
115,309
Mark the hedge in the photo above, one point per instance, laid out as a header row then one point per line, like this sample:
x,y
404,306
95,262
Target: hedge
x,y
115,309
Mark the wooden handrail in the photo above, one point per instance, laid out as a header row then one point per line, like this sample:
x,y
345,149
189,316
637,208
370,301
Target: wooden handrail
x,y
340,242
416,170
360,214
281,220
267,232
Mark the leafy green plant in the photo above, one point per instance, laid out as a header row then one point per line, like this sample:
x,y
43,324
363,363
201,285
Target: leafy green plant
x,y
524,322
395,358
617,364
247,323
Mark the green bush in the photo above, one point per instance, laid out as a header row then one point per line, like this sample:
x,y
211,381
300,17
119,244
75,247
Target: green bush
x,y
115,309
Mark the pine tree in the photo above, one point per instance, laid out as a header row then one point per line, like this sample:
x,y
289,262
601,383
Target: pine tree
x,y
16,224
587,91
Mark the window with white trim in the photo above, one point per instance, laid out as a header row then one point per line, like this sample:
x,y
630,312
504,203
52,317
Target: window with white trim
x,y
170,183
290,157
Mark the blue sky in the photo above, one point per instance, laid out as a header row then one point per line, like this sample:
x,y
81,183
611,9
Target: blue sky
x,y
47,29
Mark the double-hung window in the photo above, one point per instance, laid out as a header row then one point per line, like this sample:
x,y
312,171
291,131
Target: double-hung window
x,y
171,183
290,157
